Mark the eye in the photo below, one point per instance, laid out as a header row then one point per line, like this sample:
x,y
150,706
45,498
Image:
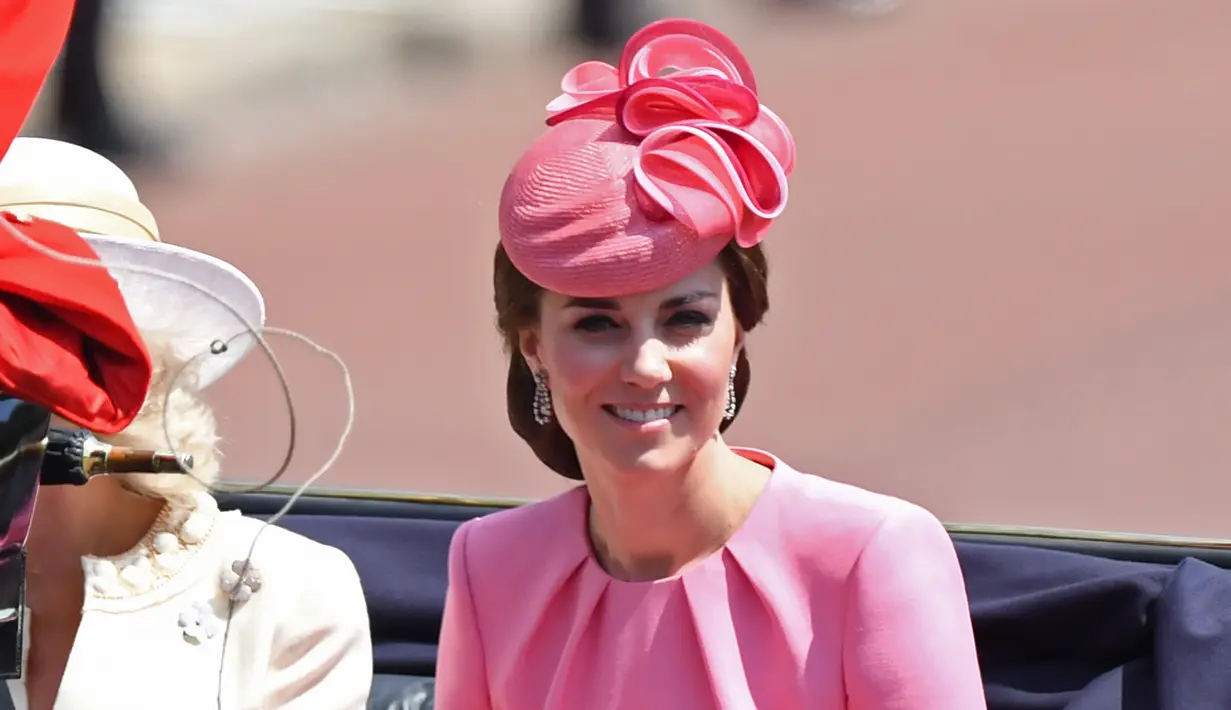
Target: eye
x,y
595,324
690,319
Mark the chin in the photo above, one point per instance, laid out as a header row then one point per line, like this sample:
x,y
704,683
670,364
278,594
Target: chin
x,y
661,460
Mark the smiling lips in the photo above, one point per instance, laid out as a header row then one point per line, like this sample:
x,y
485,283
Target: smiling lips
x,y
643,415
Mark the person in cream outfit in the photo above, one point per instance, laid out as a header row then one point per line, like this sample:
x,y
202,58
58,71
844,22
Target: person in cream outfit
x,y
131,579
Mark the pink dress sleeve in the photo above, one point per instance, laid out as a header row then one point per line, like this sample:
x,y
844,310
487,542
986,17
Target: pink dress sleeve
x,y
461,670
908,642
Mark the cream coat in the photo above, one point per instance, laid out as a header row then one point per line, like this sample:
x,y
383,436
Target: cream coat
x,y
153,625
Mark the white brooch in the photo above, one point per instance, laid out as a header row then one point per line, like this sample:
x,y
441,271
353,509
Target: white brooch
x,y
241,581
200,623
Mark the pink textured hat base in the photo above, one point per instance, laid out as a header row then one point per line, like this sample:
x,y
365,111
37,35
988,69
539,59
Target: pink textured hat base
x,y
574,190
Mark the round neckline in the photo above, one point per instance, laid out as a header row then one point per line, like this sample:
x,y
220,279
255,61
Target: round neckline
x,y
161,564
594,567
161,524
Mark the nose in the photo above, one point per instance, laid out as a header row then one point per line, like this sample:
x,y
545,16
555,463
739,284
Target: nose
x,y
647,365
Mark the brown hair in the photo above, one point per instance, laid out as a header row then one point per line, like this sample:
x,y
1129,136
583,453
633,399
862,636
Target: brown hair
x,y
517,308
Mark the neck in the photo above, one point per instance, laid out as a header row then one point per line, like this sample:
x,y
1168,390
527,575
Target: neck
x,y
655,526
99,519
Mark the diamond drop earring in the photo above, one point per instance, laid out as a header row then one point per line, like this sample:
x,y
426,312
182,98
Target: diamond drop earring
x,y
730,411
542,399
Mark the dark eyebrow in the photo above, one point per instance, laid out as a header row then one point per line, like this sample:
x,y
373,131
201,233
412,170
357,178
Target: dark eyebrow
x,y
607,304
689,298
598,304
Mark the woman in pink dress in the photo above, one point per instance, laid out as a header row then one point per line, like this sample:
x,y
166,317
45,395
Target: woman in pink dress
x,y
685,573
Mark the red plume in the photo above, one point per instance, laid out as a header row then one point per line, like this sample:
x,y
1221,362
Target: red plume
x,y
67,341
31,35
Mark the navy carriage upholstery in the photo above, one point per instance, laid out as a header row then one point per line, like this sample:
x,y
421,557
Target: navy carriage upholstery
x,y
1061,624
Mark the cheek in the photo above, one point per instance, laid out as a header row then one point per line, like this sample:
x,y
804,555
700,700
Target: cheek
x,y
704,375
576,368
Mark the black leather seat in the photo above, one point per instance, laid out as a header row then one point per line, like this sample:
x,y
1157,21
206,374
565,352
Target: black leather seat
x,y
402,692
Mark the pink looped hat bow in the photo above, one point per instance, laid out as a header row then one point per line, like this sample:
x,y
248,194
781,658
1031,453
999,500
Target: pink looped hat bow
x,y
711,156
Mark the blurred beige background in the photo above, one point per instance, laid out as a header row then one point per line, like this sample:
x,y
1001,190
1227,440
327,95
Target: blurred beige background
x,y
1002,288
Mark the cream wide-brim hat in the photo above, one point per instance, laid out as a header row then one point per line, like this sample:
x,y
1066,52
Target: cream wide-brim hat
x,y
81,189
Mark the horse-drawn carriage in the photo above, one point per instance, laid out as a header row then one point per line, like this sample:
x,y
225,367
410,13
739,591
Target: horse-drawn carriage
x,y
1064,619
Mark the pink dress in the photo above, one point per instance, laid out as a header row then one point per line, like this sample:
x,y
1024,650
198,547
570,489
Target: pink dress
x,y
828,597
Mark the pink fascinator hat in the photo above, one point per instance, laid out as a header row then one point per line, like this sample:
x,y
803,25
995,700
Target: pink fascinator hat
x,y
649,169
